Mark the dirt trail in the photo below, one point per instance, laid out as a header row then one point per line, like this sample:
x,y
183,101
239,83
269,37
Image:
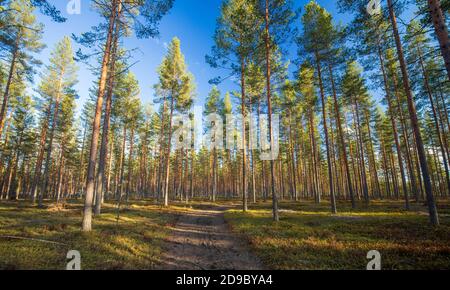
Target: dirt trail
x,y
201,240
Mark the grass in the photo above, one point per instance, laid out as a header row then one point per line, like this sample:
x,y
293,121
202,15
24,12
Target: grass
x,y
309,237
134,243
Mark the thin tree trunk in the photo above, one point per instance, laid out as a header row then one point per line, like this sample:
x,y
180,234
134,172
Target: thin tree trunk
x,y
435,117
130,165
361,153
161,148
214,192
325,129
121,165
394,126
8,83
269,112
50,144
341,138
40,157
166,184
244,145
434,219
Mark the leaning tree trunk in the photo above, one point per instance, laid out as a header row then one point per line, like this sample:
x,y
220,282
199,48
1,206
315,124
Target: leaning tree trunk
x,y
435,117
440,28
8,84
434,219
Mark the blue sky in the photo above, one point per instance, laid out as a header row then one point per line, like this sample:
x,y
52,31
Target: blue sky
x,y
193,21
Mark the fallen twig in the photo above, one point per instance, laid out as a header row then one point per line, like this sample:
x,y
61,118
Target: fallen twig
x,y
32,239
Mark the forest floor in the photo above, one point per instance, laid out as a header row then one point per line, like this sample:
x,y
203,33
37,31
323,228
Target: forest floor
x,y
308,236
204,235
33,238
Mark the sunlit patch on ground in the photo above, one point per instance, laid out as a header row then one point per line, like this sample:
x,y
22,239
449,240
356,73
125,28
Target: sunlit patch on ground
x,y
309,237
46,235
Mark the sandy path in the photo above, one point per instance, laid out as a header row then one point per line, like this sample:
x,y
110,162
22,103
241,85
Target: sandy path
x,y
201,240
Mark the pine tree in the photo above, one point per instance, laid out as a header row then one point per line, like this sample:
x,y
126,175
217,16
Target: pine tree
x,y
145,15
212,107
318,33
354,89
441,31
307,89
417,52
21,38
278,19
177,81
235,42
21,141
61,69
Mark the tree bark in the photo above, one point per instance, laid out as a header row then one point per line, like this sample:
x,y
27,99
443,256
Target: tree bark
x,y
325,129
440,28
434,219
40,157
394,126
107,119
166,184
130,165
8,84
275,214
50,143
435,118
341,139
244,145
90,182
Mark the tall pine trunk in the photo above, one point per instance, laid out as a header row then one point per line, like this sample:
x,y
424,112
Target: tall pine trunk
x,y
166,184
394,126
40,157
275,214
341,138
440,28
90,182
434,219
435,118
107,120
325,129
8,83
244,145
48,160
